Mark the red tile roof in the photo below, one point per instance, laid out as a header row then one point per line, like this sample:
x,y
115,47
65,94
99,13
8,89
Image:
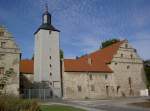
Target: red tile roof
x,y
100,59
26,66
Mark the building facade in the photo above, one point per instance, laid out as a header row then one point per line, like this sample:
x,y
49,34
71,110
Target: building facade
x,y
9,63
114,71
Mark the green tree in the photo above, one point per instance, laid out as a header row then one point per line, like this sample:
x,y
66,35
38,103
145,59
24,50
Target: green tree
x,y
61,54
147,71
109,42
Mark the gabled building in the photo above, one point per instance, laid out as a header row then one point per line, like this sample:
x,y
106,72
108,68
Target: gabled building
x,y
9,63
114,71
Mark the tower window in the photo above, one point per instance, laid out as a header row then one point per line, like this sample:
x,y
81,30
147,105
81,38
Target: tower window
x,y
116,63
50,57
92,88
79,88
50,65
49,32
50,74
135,50
1,70
50,83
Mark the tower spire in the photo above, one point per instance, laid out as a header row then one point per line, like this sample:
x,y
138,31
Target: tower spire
x,y
46,15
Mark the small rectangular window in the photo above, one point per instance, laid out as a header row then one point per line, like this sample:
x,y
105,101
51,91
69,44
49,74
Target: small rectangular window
x,y
3,44
1,70
91,77
106,76
1,86
121,55
1,56
1,33
131,56
79,88
92,88
126,45
50,74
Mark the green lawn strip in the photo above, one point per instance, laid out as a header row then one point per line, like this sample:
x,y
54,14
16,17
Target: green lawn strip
x,y
59,108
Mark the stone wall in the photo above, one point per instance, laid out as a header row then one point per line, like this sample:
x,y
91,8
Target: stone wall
x,y
9,60
128,70
82,85
127,79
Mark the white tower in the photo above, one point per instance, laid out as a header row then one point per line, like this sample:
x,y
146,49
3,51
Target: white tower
x,y
46,55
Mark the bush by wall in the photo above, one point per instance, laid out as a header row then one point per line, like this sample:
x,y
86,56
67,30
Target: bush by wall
x,y
11,103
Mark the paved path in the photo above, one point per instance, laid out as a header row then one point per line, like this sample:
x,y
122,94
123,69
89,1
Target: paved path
x,y
104,105
73,105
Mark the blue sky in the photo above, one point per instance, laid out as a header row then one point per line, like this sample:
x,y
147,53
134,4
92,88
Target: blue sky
x,y
84,24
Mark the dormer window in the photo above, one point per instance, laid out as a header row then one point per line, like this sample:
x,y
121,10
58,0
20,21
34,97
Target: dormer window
x,y
89,61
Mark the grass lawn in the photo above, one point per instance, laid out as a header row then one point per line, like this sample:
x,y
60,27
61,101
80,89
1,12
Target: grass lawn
x,y
59,108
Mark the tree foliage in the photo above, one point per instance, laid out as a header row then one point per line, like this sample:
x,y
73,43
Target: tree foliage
x,y
61,54
147,71
109,42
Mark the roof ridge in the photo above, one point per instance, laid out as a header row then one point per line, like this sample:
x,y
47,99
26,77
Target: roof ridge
x,y
103,48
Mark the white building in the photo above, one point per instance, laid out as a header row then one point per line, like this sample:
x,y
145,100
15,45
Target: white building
x,y
46,56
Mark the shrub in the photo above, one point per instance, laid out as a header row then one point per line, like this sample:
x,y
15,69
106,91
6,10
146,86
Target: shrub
x,y
11,103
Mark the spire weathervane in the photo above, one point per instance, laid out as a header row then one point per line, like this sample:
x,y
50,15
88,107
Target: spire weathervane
x,y
46,7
